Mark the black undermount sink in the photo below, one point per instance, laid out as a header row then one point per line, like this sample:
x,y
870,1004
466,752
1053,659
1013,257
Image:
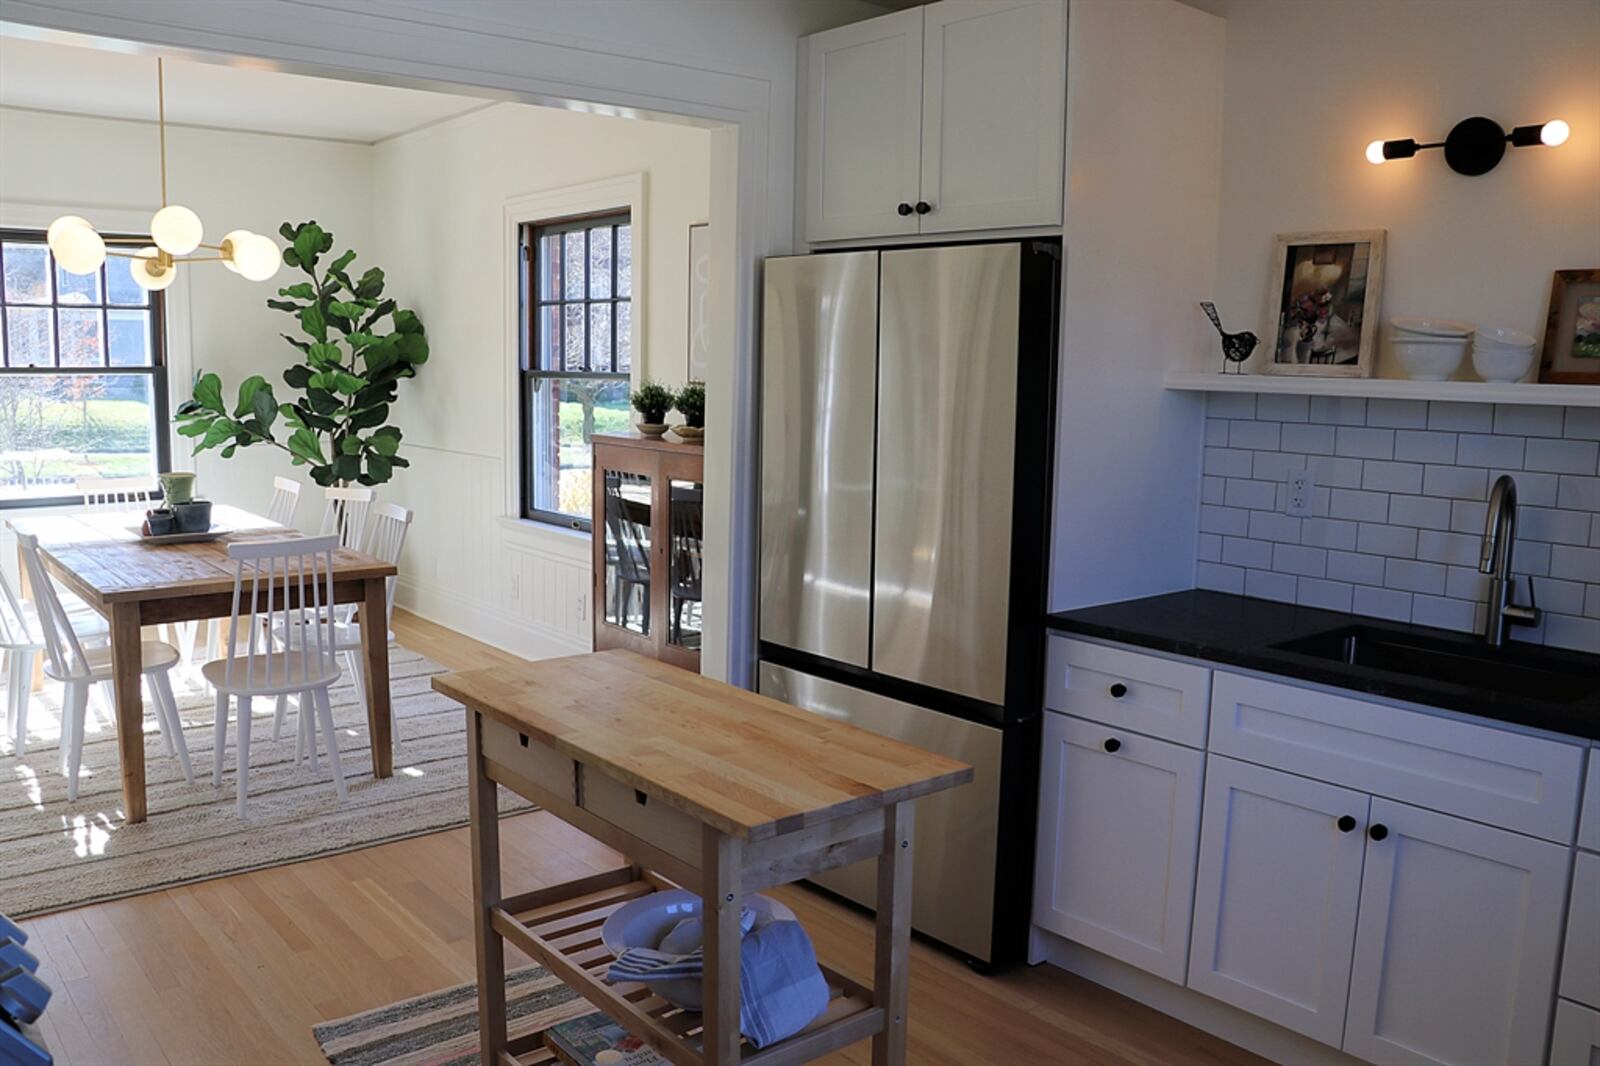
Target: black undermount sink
x,y
1512,672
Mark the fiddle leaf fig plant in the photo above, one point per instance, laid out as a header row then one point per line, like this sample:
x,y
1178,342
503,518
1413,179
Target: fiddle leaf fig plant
x,y
354,347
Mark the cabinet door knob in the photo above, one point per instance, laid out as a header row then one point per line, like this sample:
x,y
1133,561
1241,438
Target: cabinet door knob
x,y
1113,745
923,207
1378,831
904,209
1346,823
1118,690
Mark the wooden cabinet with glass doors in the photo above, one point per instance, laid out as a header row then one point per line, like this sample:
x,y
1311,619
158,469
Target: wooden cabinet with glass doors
x,y
648,522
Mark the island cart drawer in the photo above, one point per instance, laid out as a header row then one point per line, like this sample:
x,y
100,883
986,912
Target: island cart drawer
x,y
1127,689
526,757
646,817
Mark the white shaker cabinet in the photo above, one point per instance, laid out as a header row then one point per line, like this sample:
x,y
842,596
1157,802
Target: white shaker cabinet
x,y
1276,896
1119,821
938,119
1576,1040
1455,956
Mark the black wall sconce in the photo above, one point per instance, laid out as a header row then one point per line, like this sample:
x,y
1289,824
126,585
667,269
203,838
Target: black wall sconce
x,y
1476,145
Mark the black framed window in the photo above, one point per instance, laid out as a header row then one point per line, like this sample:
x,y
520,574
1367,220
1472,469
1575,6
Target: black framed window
x,y
83,379
577,351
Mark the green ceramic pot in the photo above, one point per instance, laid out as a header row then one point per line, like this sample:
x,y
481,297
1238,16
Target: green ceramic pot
x,y
177,486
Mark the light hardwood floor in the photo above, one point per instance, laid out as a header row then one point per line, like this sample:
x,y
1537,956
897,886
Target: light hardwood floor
x,y
238,970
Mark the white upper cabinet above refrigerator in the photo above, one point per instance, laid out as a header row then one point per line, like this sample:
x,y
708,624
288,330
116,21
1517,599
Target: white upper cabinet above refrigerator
x,y
938,119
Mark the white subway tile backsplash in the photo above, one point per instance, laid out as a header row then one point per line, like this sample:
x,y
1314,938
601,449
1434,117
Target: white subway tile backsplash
x,y
1399,491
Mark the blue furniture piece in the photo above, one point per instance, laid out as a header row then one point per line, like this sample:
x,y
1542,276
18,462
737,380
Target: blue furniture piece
x,y
23,997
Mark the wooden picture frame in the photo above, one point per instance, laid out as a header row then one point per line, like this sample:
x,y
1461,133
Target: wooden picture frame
x,y
1323,299
1568,358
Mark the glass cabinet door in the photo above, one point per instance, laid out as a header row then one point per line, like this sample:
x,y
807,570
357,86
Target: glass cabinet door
x,y
627,551
685,514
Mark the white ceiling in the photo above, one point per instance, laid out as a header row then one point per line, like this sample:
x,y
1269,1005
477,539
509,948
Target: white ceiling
x,y
87,81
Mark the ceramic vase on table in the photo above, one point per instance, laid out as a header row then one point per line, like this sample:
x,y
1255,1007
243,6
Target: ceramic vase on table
x,y
177,486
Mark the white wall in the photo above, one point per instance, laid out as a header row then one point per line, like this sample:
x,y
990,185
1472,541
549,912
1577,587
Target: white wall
x,y
440,195
50,163
1309,85
1144,88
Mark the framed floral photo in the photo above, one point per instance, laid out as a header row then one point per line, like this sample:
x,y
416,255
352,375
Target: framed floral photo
x,y
1322,303
1572,332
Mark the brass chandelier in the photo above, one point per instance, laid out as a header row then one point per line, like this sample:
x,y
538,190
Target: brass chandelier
x,y
175,234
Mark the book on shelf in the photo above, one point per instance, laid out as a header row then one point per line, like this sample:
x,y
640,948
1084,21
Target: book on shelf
x,y
596,1040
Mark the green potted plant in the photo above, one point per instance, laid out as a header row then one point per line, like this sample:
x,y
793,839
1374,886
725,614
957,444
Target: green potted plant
x,y
691,404
355,346
652,400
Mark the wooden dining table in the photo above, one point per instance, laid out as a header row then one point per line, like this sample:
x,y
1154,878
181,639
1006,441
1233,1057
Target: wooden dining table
x,y
101,558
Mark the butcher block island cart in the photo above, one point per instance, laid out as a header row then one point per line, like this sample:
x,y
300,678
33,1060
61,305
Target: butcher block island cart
x,y
702,786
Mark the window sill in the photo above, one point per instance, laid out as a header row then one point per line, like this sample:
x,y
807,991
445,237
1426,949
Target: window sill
x,y
574,542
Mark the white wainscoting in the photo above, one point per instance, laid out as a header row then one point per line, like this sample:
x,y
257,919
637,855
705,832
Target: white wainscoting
x,y
507,583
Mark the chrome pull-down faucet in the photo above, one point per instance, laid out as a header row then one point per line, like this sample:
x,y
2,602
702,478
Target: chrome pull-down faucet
x,y
1499,537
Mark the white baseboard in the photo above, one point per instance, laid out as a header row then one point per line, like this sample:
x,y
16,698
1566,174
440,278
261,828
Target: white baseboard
x,y
486,623
1212,1016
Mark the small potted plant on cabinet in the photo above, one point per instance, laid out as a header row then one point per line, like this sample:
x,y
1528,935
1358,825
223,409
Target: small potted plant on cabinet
x,y
652,400
691,404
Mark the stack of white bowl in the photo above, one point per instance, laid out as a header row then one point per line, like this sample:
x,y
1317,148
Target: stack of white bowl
x,y
1501,355
1430,349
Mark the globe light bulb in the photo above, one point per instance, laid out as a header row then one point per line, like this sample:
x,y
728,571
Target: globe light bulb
x,y
176,230
257,257
65,222
149,273
1554,133
78,249
232,241
1375,153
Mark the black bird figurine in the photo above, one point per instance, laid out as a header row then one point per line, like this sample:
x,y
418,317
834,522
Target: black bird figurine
x,y
1236,347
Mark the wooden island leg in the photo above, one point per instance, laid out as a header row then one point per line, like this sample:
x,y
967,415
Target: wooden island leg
x,y
892,951
484,831
375,654
127,665
721,861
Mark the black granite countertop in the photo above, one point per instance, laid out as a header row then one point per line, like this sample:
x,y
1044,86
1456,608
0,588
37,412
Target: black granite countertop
x,y
1246,632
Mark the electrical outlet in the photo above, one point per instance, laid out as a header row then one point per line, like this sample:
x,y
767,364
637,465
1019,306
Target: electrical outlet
x,y
1297,498
516,586
583,607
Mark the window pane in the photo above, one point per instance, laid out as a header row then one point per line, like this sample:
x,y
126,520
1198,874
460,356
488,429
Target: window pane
x,y
55,429
549,340
549,254
627,534
624,336
564,412
685,519
27,278
572,335
77,288
600,263
120,285
600,337
572,259
624,260
79,342
30,335
129,337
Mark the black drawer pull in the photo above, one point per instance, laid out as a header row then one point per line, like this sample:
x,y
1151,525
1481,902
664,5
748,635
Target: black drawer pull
x,y
1113,745
923,207
640,798
1378,832
522,738
1346,823
904,209
1118,690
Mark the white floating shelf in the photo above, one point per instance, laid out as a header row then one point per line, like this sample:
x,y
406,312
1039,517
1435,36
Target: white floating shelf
x,y
1388,388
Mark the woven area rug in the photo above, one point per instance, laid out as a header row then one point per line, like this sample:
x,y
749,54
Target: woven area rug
x,y
55,854
441,1028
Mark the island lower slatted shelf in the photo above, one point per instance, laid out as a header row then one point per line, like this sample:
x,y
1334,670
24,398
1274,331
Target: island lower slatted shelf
x,y
700,785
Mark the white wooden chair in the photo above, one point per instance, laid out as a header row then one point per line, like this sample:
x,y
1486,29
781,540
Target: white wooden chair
x,y
21,648
115,493
77,668
285,501
390,524
284,584
345,515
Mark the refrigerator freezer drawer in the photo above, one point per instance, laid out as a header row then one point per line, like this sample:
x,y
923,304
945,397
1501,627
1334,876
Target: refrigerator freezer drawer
x,y
947,411
818,368
953,875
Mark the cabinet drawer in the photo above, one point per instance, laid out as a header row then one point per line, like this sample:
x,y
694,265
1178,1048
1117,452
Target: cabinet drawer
x,y
1589,824
1580,967
1129,690
1577,1037
1505,779
526,757
648,819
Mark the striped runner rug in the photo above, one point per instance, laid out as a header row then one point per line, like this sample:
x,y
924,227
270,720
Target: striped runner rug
x,y
441,1028
56,854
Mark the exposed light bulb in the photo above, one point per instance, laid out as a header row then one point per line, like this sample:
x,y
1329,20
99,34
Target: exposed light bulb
x,y
149,273
256,257
1375,153
231,242
176,230
1554,133
77,249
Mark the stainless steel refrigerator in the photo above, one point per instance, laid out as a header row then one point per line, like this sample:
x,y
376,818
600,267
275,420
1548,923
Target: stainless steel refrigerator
x,y
906,430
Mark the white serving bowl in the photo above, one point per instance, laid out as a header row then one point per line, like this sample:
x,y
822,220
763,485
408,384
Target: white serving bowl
x,y
1430,358
1429,327
1502,355
641,923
